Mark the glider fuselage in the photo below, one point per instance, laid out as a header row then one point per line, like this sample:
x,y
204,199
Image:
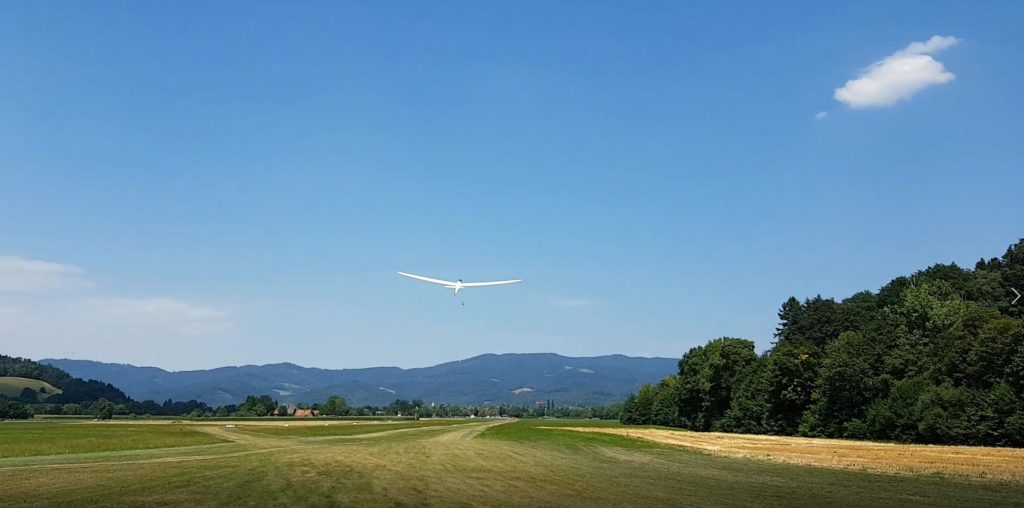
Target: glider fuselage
x,y
457,286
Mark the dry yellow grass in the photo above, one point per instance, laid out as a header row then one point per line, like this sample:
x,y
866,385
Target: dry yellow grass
x,y
971,461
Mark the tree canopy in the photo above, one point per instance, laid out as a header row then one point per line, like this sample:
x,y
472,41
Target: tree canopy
x,y
936,357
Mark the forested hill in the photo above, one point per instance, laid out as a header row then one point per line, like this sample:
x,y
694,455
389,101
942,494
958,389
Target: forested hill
x,y
74,390
487,379
934,357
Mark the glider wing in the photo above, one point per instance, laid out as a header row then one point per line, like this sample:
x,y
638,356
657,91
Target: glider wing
x,y
495,283
428,279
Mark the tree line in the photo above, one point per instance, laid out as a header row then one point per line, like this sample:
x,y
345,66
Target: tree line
x,y
265,405
936,357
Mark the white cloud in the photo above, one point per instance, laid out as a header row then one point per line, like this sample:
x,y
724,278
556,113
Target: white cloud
x,y
29,275
572,302
165,314
820,115
898,76
38,320
150,331
934,45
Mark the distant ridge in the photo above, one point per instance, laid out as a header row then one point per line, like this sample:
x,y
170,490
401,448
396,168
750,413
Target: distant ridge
x,y
514,378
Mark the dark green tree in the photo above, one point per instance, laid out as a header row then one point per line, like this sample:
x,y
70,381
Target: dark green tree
x,y
848,381
707,376
28,395
335,406
102,409
14,410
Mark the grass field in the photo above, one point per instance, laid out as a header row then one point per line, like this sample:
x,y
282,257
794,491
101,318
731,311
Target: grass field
x,y
25,439
11,386
452,463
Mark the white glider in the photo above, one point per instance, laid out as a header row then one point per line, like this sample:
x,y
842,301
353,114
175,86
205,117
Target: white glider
x,y
457,285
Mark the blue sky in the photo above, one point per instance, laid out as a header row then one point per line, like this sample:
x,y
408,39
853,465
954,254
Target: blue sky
x,y
191,185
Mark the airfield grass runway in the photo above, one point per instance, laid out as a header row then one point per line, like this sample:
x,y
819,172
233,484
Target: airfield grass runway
x,y
433,462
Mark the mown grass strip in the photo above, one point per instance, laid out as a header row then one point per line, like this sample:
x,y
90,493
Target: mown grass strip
x,y
27,439
345,429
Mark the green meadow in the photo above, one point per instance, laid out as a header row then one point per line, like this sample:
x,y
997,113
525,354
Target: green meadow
x,y
432,462
11,387
25,439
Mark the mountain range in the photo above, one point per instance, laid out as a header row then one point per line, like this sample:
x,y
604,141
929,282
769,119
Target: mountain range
x,y
485,379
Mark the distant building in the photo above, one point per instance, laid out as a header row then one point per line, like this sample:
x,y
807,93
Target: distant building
x,y
306,412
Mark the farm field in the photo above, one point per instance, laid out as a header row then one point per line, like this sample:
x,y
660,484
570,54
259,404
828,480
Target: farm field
x,y
432,462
